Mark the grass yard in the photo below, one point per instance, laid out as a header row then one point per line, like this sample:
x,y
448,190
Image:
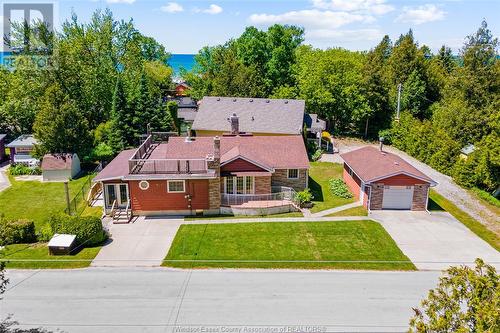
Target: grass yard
x,y
39,251
229,217
319,175
476,227
355,211
36,200
244,245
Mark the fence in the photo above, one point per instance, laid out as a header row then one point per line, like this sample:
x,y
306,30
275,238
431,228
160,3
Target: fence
x,y
79,202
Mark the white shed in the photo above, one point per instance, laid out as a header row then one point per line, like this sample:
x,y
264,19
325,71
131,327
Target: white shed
x,y
60,167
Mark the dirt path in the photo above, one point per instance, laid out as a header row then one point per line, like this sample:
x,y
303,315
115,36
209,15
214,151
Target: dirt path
x,y
446,186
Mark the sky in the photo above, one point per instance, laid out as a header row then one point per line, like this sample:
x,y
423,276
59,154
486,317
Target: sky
x,y
185,26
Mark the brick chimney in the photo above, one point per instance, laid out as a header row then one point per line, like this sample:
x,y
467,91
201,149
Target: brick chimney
x,y
214,161
235,124
214,196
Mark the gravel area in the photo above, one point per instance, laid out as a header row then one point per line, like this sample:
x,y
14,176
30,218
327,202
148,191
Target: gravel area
x,y
446,186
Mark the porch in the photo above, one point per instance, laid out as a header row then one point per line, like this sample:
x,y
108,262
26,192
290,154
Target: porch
x,y
281,200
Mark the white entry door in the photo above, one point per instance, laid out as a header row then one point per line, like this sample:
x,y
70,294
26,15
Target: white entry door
x,y
397,197
118,193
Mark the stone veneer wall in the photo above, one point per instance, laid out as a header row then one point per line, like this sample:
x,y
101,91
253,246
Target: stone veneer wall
x,y
214,198
280,178
262,185
420,197
377,196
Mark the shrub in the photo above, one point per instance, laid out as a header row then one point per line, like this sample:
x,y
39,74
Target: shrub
x,y
17,232
21,169
88,229
317,155
340,189
304,196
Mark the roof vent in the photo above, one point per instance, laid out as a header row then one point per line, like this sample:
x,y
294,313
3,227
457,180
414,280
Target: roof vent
x,y
253,118
234,100
268,101
251,100
218,99
286,102
396,163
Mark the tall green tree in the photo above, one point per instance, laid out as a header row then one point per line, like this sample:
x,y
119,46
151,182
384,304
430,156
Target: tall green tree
x,y
121,134
59,126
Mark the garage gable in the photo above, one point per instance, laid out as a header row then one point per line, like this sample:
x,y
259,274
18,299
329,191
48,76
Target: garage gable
x,y
401,179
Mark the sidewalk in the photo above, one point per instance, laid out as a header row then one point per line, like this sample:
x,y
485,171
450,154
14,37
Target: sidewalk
x,y
4,179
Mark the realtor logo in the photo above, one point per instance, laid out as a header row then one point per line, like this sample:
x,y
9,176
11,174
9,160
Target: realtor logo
x,y
28,30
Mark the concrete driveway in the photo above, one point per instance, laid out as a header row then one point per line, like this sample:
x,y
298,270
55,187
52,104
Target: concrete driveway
x,y
144,242
435,241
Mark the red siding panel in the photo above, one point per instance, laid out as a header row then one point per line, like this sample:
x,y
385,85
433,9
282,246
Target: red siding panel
x,y
241,165
353,182
156,198
401,180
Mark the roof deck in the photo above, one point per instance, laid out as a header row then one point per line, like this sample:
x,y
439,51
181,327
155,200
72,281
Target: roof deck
x,y
151,159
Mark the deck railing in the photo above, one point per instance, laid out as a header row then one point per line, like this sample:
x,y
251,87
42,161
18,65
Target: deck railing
x,y
280,193
167,166
141,164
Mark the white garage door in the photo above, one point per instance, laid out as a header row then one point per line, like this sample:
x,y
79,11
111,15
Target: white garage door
x,y
397,197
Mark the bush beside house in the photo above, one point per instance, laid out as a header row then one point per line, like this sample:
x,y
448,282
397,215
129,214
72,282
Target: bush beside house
x,y
88,229
340,189
16,231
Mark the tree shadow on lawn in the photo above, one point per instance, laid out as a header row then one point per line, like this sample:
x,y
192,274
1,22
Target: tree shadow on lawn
x,y
316,190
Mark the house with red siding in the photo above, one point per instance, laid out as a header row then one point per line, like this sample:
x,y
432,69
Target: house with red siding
x,y
235,174
382,180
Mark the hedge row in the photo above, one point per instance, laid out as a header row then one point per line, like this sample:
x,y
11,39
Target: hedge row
x,y
16,232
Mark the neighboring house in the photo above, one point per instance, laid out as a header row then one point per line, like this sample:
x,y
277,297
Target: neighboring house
x,y
21,150
60,167
381,180
187,109
2,146
207,175
258,116
314,125
181,89
466,151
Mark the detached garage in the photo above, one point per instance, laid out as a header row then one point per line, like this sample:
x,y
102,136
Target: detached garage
x,y
60,167
382,180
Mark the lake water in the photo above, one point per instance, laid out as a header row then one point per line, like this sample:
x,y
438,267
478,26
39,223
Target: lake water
x,y
178,61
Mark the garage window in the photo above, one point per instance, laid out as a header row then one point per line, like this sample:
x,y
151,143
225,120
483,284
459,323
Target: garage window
x,y
293,173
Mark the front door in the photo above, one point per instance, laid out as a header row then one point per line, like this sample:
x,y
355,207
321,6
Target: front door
x,y
118,192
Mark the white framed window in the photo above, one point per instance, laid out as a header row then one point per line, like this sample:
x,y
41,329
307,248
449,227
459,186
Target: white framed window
x,y
239,185
144,185
176,186
293,173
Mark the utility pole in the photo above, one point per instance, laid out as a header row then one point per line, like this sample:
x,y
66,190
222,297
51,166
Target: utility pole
x,y
399,101
66,189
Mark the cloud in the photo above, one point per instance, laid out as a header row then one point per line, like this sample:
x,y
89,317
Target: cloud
x,y
212,10
421,14
376,7
172,7
311,18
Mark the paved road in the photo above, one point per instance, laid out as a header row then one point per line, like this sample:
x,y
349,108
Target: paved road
x,y
435,241
160,300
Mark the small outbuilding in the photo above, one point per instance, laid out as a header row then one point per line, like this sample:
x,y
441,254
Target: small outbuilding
x,y
60,167
62,244
21,150
382,180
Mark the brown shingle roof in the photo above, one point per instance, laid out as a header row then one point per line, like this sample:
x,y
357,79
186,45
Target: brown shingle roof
x,y
57,162
370,164
117,168
256,115
278,152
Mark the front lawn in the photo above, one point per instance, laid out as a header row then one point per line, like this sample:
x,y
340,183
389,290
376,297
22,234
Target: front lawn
x,y
475,226
319,176
355,211
231,217
287,245
39,251
35,200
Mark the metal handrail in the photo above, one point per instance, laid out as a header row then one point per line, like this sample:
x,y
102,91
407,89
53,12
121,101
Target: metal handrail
x,y
113,208
127,210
